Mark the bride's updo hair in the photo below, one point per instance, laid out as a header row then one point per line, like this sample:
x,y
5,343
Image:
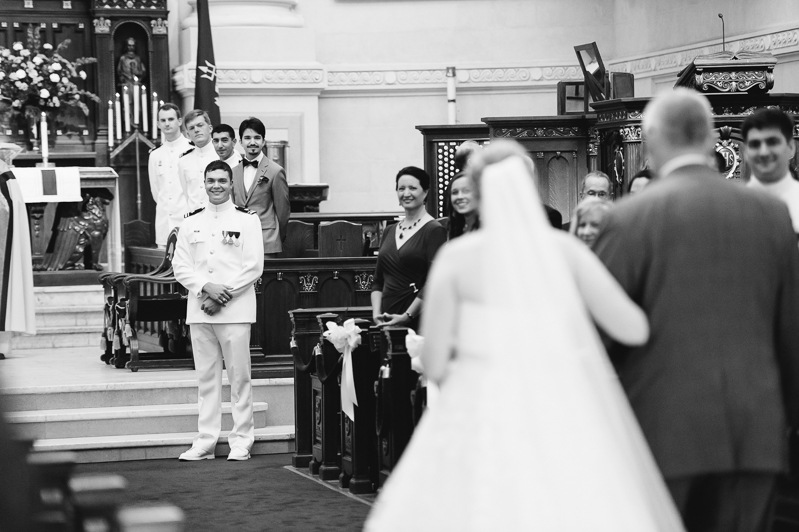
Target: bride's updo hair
x,y
496,152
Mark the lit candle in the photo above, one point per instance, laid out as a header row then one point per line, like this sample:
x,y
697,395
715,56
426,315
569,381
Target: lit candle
x,y
126,105
144,108
110,124
163,137
45,147
155,115
119,118
135,101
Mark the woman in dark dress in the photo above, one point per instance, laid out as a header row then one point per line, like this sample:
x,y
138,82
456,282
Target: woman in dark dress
x,y
406,254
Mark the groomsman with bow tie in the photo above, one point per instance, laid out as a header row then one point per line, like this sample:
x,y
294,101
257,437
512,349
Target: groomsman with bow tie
x,y
260,185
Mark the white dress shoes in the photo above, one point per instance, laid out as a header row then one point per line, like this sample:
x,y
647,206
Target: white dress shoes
x,y
238,453
196,453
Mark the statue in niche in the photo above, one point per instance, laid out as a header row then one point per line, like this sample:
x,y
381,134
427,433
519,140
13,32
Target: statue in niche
x,y
130,65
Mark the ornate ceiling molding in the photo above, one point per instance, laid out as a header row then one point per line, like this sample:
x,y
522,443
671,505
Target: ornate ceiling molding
x,y
778,43
299,78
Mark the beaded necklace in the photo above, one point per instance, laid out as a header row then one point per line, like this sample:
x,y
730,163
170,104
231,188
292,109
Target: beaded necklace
x,y
403,229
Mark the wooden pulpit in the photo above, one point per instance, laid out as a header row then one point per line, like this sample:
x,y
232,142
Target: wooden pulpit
x,y
340,239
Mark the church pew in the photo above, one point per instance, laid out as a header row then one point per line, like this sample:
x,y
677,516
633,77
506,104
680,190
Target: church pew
x,y
326,460
359,466
305,335
95,498
396,382
51,505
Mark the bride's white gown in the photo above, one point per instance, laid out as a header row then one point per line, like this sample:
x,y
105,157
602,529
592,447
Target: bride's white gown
x,y
532,430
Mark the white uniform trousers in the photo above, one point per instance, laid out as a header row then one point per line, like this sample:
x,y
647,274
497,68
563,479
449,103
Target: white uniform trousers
x,y
164,224
210,343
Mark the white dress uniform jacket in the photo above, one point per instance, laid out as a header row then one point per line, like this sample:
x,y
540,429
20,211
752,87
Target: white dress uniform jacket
x,y
787,190
170,200
191,166
234,160
220,244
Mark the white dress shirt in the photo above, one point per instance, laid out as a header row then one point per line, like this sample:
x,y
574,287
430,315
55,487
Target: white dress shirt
x,y
786,189
248,173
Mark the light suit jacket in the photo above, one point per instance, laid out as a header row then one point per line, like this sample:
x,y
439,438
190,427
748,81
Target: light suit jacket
x,y
269,198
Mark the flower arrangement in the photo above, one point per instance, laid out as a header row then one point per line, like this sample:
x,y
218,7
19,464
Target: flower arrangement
x,y
36,78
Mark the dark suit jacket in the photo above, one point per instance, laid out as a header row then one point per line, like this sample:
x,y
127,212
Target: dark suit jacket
x,y
269,197
716,269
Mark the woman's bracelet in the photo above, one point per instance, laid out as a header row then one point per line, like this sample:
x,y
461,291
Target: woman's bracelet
x,y
409,315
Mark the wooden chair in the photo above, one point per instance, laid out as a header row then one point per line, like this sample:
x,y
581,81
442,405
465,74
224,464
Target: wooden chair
x,y
299,241
112,341
340,239
142,302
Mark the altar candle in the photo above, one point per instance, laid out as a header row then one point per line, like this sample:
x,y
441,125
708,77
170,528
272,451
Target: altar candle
x,y
119,118
45,147
155,115
163,137
126,105
110,124
135,101
144,108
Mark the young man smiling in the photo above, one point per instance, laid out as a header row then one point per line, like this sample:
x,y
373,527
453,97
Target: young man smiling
x,y
260,185
218,258
170,200
224,139
193,162
768,149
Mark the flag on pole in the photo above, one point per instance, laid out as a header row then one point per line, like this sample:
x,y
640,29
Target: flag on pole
x,y
206,95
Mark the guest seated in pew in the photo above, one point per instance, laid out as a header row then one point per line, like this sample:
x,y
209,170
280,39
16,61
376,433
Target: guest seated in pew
x,y
406,254
531,430
587,219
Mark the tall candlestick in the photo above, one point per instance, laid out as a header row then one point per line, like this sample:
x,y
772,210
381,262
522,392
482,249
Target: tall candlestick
x,y
126,105
135,101
163,137
110,124
119,118
45,147
144,122
155,115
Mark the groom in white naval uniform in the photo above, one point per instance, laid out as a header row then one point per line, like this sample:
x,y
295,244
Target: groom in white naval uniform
x,y
218,259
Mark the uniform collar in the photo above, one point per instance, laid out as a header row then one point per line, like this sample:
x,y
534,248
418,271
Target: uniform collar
x,y
220,208
233,160
778,187
172,143
207,148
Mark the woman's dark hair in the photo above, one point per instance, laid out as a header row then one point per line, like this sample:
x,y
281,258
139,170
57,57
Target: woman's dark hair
x,y
457,221
645,173
416,172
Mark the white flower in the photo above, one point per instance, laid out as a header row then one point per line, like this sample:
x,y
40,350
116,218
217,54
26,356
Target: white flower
x,y
82,74
16,104
56,103
38,60
25,53
6,52
12,76
44,93
21,74
55,78
343,336
2,75
22,86
17,46
47,46
55,66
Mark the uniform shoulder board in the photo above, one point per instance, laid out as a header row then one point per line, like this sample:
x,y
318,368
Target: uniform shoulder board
x,y
187,152
192,213
152,149
245,211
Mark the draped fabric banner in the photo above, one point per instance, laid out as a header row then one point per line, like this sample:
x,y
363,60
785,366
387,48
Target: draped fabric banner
x,y
206,95
47,185
345,338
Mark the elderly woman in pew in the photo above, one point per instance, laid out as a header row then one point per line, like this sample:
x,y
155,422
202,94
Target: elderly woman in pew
x,y
406,254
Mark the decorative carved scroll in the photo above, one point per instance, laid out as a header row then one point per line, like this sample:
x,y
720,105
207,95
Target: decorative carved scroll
x,y
363,281
102,25
630,133
159,26
735,81
520,132
308,282
130,4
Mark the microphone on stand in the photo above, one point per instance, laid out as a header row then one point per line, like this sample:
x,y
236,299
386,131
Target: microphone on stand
x,y
723,40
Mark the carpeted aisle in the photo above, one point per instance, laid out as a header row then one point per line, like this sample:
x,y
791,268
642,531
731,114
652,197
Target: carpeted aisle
x,y
271,497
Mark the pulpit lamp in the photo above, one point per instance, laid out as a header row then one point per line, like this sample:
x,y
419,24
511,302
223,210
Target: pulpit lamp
x,y
593,70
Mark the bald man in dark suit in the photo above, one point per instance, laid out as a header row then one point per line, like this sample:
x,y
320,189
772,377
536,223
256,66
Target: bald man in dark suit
x,y
716,268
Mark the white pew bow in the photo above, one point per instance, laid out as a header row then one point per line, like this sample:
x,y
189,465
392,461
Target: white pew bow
x,y
345,338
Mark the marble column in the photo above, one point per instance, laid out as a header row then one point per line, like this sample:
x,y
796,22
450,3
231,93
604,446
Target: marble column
x,y
266,67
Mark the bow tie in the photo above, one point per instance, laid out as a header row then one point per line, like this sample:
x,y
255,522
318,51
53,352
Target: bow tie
x,y
246,162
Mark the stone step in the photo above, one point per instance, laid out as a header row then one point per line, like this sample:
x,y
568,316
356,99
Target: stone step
x,y
117,421
66,296
278,393
268,440
72,316
56,337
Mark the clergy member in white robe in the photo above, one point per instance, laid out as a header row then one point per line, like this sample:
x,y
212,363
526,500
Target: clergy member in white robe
x,y
16,268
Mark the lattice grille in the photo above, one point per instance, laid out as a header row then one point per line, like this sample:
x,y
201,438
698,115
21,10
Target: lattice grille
x,y
445,171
